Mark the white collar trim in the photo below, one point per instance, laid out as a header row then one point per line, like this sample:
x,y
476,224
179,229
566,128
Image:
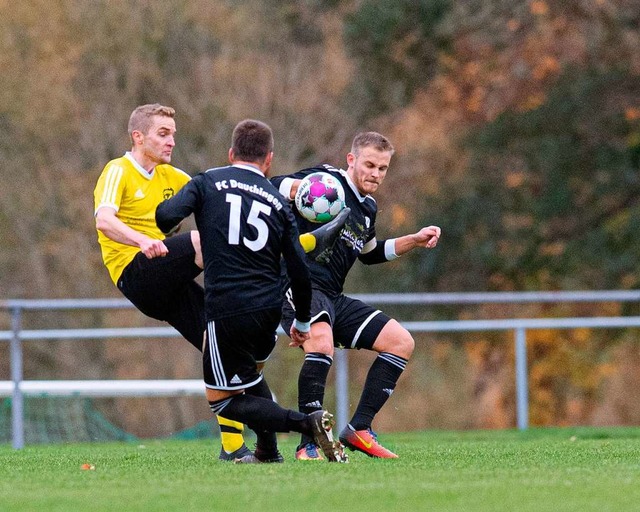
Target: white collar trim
x,y
248,168
138,167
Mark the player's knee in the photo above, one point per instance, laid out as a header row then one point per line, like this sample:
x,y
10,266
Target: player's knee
x,y
406,344
321,345
396,340
321,339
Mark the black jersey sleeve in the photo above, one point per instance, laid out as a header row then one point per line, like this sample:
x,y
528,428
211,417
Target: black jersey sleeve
x,y
297,269
374,256
172,211
284,183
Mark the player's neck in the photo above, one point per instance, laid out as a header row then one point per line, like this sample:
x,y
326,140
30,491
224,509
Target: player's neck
x,y
255,165
143,161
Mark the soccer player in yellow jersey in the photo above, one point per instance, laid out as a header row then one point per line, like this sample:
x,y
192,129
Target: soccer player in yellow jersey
x,y
155,273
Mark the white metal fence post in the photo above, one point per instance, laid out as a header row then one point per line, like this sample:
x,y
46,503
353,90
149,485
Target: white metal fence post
x,y
342,388
522,381
17,409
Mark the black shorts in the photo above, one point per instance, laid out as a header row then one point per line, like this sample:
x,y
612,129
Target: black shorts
x,y
164,288
354,323
235,345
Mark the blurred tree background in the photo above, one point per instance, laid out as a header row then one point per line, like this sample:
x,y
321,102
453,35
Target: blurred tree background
x,y
517,129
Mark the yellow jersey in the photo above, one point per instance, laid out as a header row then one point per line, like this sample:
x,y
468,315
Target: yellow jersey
x,y
134,194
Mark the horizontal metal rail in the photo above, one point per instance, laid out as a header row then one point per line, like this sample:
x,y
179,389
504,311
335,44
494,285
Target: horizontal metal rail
x,y
506,324
375,298
17,387
105,388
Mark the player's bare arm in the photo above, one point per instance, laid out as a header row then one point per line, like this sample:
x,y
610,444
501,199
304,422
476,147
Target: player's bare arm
x,y
115,229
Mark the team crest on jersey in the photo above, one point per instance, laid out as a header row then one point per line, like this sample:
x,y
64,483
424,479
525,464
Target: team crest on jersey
x,y
167,193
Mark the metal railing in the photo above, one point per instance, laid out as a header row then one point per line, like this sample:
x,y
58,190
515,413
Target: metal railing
x,y
17,387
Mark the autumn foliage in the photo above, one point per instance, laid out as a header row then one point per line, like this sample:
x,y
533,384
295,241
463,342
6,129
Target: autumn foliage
x,y
517,128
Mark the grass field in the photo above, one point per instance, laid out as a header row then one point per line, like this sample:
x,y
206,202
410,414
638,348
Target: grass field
x,y
573,469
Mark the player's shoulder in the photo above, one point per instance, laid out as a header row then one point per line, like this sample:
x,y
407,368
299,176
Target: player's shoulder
x,y
117,163
371,203
172,170
328,168
331,169
337,172
222,172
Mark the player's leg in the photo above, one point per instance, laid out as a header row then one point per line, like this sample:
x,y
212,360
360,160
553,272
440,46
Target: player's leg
x,y
230,368
195,241
261,414
266,441
318,357
371,329
164,289
232,441
319,242
231,432
312,380
187,317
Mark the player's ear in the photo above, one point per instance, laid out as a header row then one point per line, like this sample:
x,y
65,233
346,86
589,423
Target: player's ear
x,y
351,158
137,137
231,155
266,166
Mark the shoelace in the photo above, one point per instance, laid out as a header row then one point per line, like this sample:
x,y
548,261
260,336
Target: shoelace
x,y
311,450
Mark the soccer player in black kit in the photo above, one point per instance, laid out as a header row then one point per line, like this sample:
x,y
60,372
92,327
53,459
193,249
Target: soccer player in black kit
x,y
245,229
341,321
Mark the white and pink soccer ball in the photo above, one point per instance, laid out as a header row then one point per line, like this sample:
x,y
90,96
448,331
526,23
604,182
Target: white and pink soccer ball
x,y
320,197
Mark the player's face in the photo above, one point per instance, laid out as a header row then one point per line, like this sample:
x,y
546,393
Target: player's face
x,y
158,143
368,168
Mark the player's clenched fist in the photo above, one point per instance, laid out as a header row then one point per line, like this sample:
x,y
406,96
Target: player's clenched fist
x,y
428,237
153,248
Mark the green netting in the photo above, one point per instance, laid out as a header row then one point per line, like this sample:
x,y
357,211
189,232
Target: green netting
x,y
59,420
202,430
76,419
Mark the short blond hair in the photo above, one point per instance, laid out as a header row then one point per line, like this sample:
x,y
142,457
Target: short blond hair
x,y
141,118
371,139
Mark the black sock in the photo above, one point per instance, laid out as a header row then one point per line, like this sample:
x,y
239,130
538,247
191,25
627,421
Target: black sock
x,y
381,381
261,414
260,389
266,441
311,384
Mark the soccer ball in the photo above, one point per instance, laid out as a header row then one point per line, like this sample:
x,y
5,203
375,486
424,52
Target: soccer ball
x,y
320,197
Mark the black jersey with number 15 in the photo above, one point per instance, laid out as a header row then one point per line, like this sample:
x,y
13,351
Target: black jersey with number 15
x,y
245,227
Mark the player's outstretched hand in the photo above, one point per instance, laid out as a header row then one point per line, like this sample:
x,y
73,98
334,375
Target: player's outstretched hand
x,y
427,237
152,248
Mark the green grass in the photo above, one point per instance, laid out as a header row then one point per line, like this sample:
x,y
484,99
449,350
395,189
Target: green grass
x,y
573,469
